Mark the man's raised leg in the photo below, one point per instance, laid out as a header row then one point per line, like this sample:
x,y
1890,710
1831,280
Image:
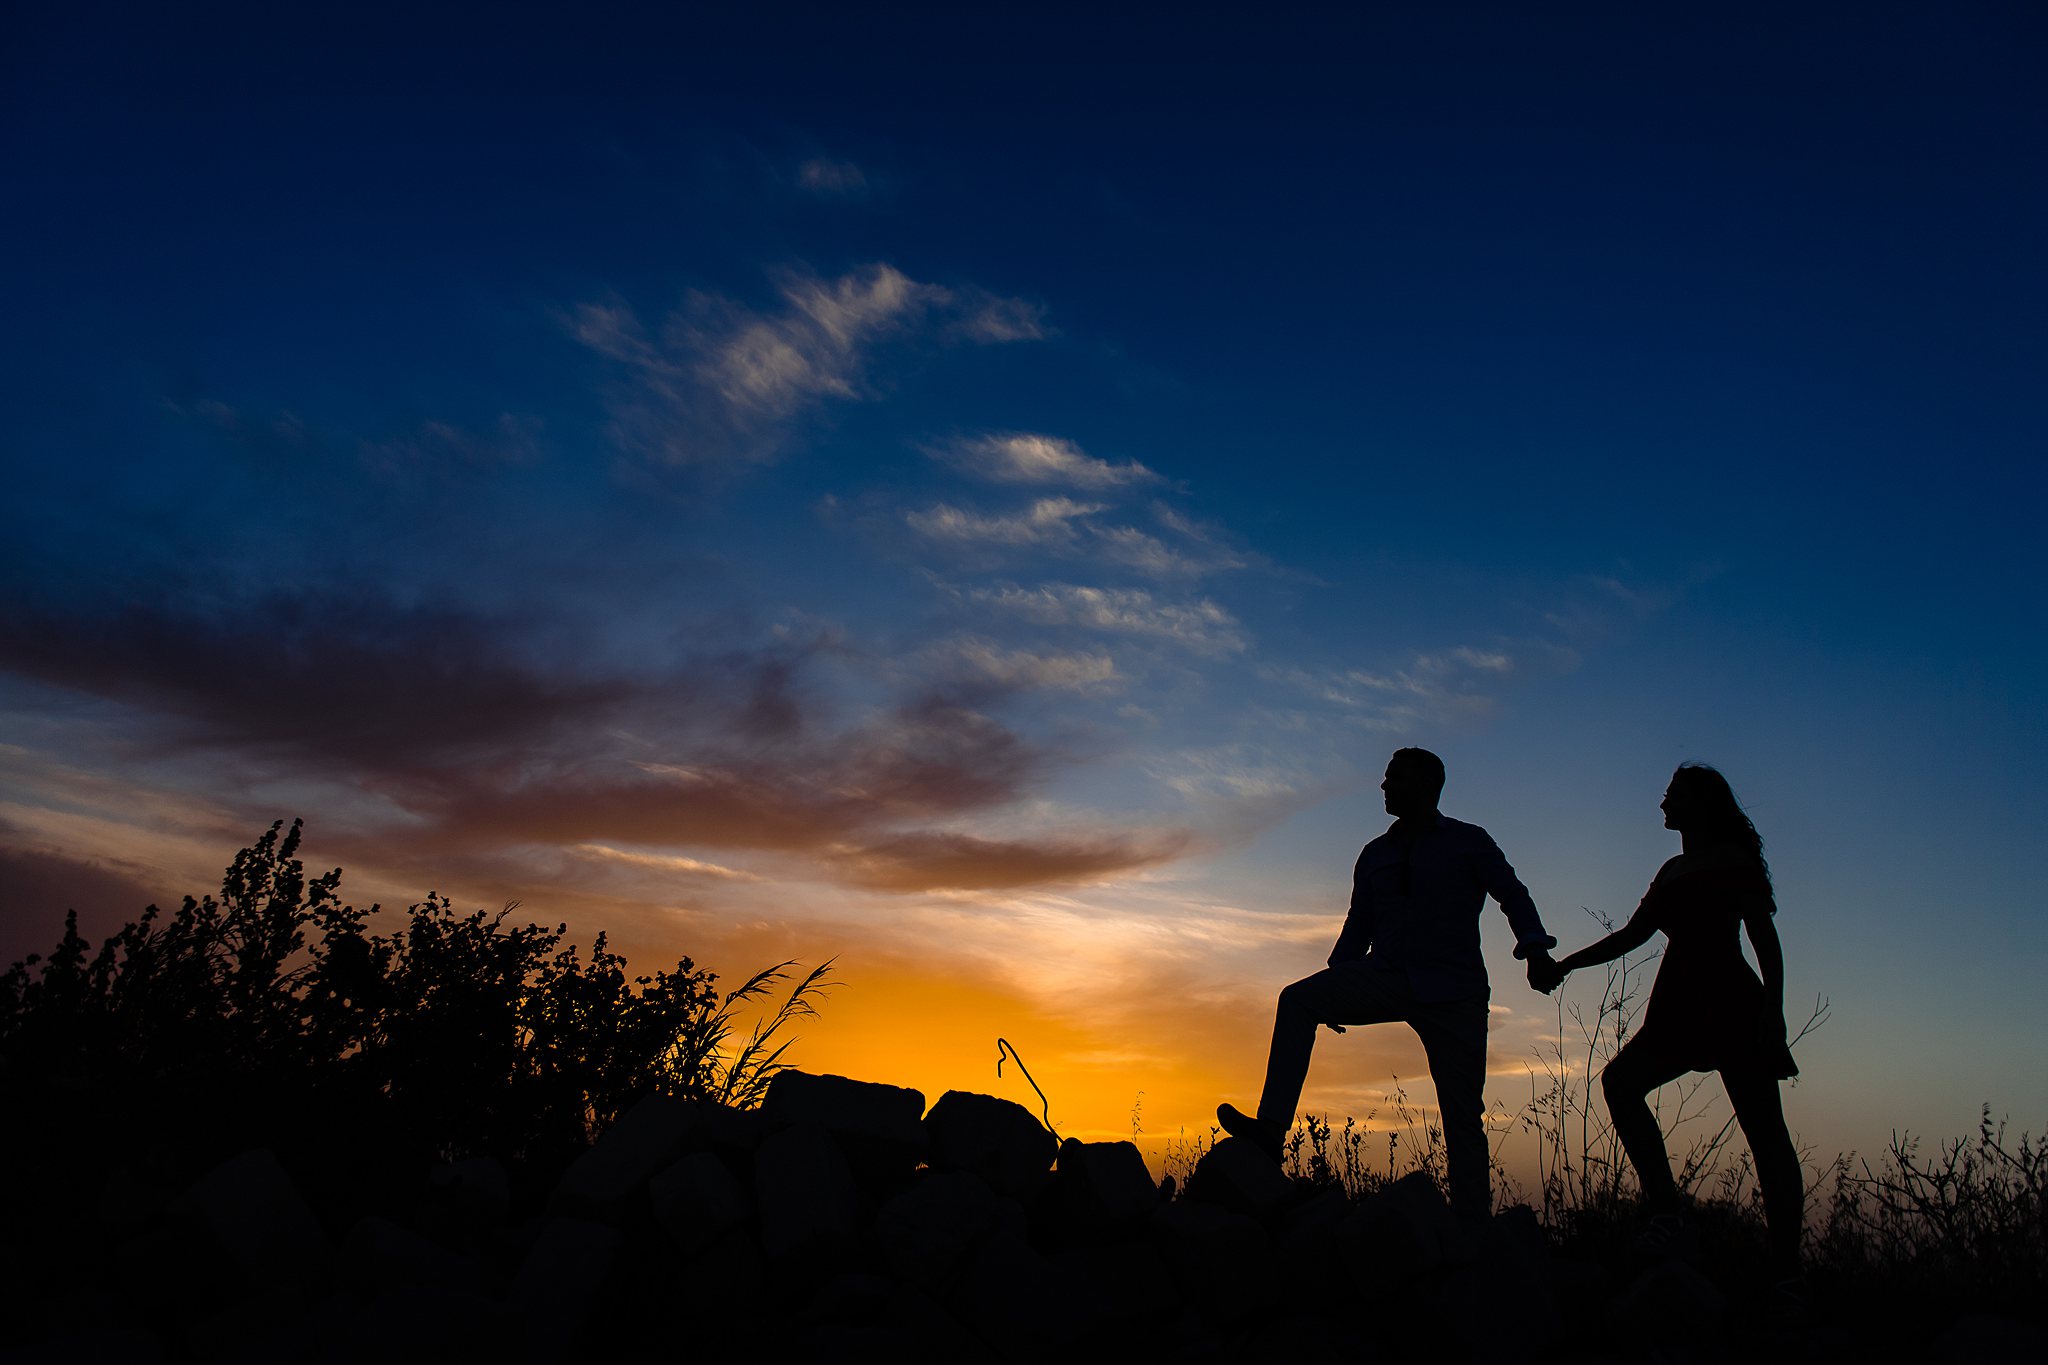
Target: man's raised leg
x,y
1348,993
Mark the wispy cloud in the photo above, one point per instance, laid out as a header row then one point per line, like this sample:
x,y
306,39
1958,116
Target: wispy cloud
x,y
773,364
437,446
722,382
825,176
1147,554
659,862
1029,458
1046,521
981,662
991,318
1201,625
1430,687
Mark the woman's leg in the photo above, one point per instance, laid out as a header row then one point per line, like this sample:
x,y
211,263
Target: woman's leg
x,y
1627,1082
1761,1112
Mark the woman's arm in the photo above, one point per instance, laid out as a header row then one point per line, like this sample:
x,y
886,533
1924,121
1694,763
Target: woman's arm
x,y
1624,940
1770,954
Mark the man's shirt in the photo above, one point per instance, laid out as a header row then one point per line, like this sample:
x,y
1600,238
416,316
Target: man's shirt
x,y
1416,895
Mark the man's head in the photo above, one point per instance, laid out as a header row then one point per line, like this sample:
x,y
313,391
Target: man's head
x,y
1415,779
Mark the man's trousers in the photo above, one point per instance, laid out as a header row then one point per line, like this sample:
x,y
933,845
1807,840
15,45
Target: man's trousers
x,y
1453,1036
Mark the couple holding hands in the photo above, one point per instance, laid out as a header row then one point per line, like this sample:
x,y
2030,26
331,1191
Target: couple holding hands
x,y
1409,951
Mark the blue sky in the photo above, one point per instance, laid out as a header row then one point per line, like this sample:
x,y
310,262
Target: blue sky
x,y
982,496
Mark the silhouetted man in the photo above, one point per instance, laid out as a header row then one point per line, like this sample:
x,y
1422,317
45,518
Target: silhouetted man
x,y
1410,951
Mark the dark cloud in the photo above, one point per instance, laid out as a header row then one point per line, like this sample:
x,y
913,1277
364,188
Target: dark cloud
x,y
444,715
933,861
363,682
929,760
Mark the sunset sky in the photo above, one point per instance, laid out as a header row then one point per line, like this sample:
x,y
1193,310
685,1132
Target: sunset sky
x,y
979,498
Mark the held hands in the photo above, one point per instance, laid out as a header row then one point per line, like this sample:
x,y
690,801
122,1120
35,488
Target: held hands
x,y
1544,973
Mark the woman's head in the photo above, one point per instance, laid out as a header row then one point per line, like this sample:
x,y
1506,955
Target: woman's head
x,y
1700,801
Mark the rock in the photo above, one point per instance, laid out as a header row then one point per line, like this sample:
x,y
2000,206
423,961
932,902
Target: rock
x,y
1238,1176
879,1129
256,1218
1098,1190
478,1191
864,1317
1305,1237
998,1140
808,1200
379,1255
732,1133
558,1282
419,1323
1107,1288
697,1200
644,1140
849,1299
728,1289
930,1232
1403,1229
1222,1262
1008,1294
887,1113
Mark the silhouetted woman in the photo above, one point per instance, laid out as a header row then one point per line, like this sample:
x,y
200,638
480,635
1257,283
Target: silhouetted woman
x,y
1707,1010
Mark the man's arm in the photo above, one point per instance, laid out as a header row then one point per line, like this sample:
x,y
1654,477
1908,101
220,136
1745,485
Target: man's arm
x,y
1504,886
1356,939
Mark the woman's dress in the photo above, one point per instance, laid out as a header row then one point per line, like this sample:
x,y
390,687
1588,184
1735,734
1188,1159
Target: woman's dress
x,y
1707,1010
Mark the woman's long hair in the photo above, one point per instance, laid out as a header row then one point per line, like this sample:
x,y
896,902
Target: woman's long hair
x,y
1721,812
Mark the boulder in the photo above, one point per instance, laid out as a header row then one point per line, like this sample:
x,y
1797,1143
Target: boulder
x,y
624,1157
256,1220
929,1233
808,1200
697,1200
879,1129
477,1191
1098,1190
557,1283
414,1322
887,1113
732,1133
379,1255
1116,1289
1221,1261
1403,1229
1008,1294
1306,1237
1237,1176
998,1140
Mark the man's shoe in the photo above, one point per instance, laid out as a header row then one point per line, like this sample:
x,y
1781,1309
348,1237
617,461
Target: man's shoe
x,y
1265,1136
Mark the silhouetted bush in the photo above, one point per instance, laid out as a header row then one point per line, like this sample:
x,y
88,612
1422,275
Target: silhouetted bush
x,y
276,1014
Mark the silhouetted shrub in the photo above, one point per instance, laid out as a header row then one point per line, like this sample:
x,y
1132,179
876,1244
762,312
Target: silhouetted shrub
x,y
276,1014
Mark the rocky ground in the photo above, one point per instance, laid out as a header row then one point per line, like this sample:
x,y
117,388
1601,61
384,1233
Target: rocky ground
x,y
843,1220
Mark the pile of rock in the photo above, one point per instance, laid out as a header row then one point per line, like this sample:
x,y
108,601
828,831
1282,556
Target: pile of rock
x,y
840,1216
